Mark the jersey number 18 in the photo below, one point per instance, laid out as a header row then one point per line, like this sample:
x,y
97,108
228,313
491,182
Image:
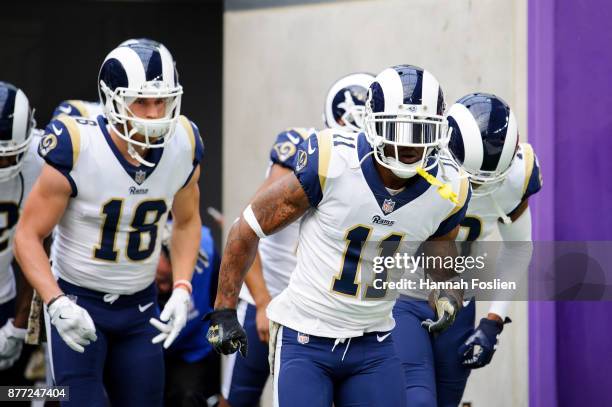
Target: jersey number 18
x,y
144,221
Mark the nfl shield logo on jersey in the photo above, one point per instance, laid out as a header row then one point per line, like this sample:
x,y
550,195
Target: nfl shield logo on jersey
x,y
303,338
140,176
302,160
388,206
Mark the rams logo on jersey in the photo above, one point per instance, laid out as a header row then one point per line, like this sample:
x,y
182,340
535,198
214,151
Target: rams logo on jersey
x,y
284,150
48,143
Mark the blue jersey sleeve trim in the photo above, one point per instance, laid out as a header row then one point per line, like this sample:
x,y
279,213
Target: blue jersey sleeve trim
x,y
533,176
288,165
307,169
199,145
56,146
57,149
534,184
73,186
190,176
454,220
535,181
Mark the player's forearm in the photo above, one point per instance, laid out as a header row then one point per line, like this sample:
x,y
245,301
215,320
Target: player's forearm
x,y
184,246
239,253
441,249
34,263
513,259
256,284
273,208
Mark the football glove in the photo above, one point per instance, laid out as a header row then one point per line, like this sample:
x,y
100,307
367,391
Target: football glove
x,y
478,349
173,318
225,333
446,307
11,341
73,323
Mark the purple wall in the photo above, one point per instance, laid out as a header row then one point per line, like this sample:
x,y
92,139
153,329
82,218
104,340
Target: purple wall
x,y
541,128
570,126
583,115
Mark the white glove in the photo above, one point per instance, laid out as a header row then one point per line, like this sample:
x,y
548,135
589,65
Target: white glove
x,y
73,323
11,341
173,318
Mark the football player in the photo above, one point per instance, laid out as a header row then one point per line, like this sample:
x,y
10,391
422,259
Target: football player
x,y
91,110
19,168
245,378
108,184
192,368
503,174
329,342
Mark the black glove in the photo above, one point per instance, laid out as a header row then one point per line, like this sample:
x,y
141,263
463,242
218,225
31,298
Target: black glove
x,y
447,307
478,349
225,333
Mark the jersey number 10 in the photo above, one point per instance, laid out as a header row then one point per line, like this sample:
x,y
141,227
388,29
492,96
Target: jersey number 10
x,y
144,221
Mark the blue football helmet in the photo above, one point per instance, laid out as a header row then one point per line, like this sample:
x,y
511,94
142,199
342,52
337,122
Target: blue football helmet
x,y
345,102
144,41
16,125
405,108
483,139
133,71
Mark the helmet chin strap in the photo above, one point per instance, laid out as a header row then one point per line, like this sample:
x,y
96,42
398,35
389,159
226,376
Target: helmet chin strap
x,y
401,170
134,154
445,190
398,168
505,218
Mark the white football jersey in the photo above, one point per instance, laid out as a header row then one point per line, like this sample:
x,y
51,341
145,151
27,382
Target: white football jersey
x,y
13,194
79,108
350,206
108,239
278,251
483,215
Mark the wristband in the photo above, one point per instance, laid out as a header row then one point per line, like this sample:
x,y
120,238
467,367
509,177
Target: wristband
x,y
55,299
184,283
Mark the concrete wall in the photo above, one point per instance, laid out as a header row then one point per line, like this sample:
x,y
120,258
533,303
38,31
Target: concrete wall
x,y
280,61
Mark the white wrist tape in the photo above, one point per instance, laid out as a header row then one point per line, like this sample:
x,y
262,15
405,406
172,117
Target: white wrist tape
x,y
499,308
250,218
